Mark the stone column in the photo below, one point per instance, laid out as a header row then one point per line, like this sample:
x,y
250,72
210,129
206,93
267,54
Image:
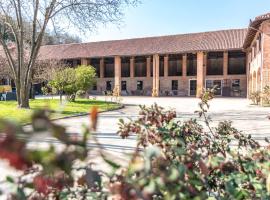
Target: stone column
x,y
166,65
117,76
132,60
200,73
84,61
184,65
155,90
101,70
148,65
225,64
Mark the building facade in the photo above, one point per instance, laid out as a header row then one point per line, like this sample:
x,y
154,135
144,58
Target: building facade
x,y
236,61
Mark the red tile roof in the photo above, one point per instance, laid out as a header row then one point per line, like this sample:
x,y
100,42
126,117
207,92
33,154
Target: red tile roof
x,y
253,29
185,43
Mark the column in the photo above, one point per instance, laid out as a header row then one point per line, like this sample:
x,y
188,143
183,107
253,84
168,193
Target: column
x,y
132,60
184,65
117,76
225,64
148,62
101,70
166,65
155,90
84,61
200,73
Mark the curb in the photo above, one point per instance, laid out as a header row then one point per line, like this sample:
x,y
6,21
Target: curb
x,y
82,114
85,114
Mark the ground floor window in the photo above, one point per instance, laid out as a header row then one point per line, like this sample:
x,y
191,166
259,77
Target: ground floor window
x,y
192,87
139,85
3,82
236,84
174,85
123,85
214,83
94,86
109,85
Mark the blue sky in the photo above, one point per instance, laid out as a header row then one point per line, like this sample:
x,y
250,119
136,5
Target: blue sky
x,y
166,17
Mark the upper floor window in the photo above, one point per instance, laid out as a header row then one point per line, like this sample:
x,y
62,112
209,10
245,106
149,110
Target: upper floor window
x,y
125,67
237,62
95,62
215,63
140,67
161,66
108,67
175,65
72,62
191,64
260,42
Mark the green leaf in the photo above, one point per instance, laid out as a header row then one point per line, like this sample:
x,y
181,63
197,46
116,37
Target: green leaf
x,y
9,179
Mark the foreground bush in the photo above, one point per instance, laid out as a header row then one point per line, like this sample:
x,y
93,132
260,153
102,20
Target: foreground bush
x,y
173,160
186,161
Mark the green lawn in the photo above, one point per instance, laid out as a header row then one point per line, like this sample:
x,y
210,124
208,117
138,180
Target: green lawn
x,y
9,110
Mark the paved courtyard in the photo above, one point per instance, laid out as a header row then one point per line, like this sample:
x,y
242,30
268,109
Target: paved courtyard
x,y
247,118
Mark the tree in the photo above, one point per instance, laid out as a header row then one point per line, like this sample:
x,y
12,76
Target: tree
x,y
85,77
52,39
62,80
41,15
70,81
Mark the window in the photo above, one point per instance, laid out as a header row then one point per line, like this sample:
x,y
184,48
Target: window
x,y
96,64
175,65
123,85
3,82
109,85
191,65
139,85
125,67
260,42
174,85
161,66
237,62
140,67
94,86
72,63
214,83
215,63
108,67
236,84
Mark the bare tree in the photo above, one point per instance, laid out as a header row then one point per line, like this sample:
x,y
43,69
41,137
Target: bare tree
x,y
41,15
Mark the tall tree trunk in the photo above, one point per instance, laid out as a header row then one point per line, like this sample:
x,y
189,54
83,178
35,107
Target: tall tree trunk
x,y
24,96
61,97
18,89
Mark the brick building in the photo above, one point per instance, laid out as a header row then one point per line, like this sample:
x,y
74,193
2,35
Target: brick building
x,y
237,61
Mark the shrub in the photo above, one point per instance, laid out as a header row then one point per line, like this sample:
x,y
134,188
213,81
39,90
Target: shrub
x,y
182,160
255,97
266,95
45,91
80,94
